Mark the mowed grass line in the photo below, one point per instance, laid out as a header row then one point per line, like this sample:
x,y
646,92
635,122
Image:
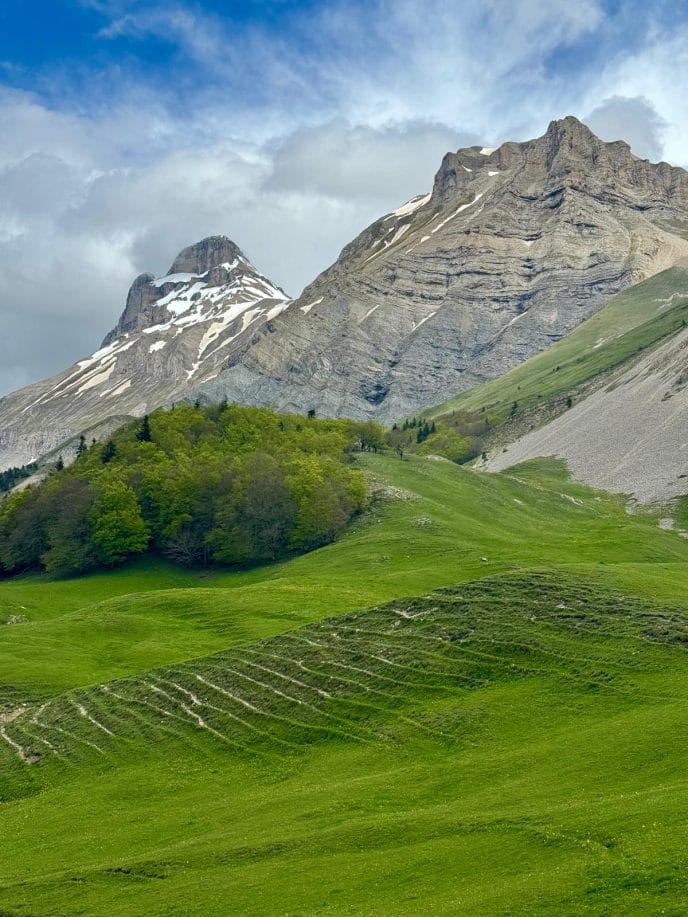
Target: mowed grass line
x,y
439,524
550,778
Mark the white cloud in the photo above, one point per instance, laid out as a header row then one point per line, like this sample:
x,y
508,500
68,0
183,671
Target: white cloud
x,y
290,147
649,80
634,120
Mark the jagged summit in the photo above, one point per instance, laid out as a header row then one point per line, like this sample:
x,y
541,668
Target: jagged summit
x,y
200,274
205,255
175,333
567,155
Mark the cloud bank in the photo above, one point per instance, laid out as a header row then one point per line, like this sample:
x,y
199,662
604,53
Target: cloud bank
x,y
290,140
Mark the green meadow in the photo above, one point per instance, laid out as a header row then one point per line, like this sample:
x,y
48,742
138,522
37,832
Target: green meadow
x,y
472,702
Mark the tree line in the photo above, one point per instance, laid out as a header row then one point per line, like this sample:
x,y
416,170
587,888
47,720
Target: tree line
x,y
12,476
221,484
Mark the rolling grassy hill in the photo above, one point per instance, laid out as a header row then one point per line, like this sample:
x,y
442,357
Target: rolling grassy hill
x,y
432,524
259,743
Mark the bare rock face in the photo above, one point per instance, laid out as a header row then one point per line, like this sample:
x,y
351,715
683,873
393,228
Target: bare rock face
x,y
205,255
513,248
176,333
138,312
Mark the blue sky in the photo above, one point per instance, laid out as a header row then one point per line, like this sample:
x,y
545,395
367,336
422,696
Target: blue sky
x,y
129,129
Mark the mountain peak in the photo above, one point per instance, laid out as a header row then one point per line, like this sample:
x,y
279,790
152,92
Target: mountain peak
x,y
197,278
573,138
205,255
569,125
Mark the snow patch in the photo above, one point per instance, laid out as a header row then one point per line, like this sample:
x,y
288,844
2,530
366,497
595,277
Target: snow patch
x,y
307,309
157,346
424,320
514,319
457,212
176,278
389,243
98,355
98,379
277,310
410,206
487,150
122,387
397,235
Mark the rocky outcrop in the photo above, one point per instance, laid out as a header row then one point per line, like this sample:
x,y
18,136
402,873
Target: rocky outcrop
x,y
513,248
138,312
205,255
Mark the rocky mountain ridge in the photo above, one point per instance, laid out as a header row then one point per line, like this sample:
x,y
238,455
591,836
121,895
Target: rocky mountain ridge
x,y
511,250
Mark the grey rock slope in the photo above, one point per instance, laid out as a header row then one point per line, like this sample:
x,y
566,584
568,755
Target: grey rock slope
x,y
175,333
630,436
511,250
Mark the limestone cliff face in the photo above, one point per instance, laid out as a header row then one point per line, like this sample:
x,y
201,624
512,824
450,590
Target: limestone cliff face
x,y
512,249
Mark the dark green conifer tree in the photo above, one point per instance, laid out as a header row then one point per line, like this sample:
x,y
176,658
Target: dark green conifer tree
x,y
109,452
144,432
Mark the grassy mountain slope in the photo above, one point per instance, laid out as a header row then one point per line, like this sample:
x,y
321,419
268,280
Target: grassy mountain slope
x,y
433,524
633,322
504,747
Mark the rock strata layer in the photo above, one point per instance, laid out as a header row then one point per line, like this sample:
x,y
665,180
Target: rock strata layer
x,y
513,248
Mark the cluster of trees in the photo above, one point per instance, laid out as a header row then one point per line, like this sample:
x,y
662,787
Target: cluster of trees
x,y
420,429
13,476
459,435
198,485
465,433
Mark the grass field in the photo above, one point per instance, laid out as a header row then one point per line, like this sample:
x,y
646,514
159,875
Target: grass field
x,y
260,743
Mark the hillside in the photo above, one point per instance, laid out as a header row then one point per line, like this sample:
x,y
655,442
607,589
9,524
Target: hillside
x,y
190,739
432,524
610,400
632,322
490,417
